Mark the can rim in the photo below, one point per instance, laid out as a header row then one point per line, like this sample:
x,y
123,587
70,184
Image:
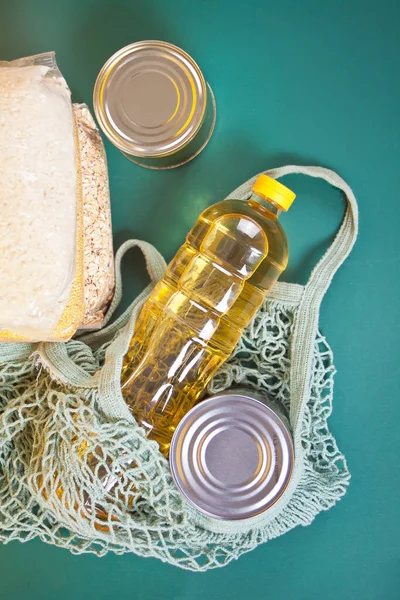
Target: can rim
x,y
182,424
101,80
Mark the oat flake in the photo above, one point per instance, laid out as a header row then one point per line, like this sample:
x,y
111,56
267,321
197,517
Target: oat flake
x,y
99,274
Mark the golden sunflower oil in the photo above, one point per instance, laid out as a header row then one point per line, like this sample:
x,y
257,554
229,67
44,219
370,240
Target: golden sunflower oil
x,y
195,316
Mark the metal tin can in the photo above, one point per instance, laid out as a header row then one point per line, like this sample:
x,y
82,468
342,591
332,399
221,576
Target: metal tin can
x,y
232,455
153,103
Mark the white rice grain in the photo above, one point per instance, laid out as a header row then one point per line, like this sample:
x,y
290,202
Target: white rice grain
x,y
37,200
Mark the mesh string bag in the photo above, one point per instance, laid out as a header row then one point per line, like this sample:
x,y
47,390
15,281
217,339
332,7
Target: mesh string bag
x,y
77,471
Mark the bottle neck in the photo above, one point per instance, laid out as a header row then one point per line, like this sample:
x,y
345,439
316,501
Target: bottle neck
x,y
265,205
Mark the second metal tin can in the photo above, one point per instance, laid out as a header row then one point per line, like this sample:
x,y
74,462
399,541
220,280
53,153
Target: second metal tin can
x,y
232,455
153,103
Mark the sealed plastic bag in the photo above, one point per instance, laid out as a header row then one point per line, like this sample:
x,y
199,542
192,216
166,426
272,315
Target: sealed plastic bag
x,y
41,233
98,255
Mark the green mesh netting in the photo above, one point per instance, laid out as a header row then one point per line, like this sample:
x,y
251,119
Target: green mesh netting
x,y
78,472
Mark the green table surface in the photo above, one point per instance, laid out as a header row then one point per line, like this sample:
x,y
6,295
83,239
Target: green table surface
x,y
296,82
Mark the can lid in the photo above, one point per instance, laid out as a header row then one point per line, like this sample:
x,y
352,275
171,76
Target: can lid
x,y
231,456
150,99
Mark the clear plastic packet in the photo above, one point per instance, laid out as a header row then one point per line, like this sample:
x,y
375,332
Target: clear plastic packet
x,y
41,229
98,255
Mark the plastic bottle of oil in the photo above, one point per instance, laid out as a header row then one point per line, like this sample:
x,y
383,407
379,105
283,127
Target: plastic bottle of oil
x,y
194,317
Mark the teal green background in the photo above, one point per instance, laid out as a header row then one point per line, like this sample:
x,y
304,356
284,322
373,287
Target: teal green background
x,y
296,82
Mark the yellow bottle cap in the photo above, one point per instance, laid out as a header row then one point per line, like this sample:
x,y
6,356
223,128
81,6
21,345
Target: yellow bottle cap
x,y
271,189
